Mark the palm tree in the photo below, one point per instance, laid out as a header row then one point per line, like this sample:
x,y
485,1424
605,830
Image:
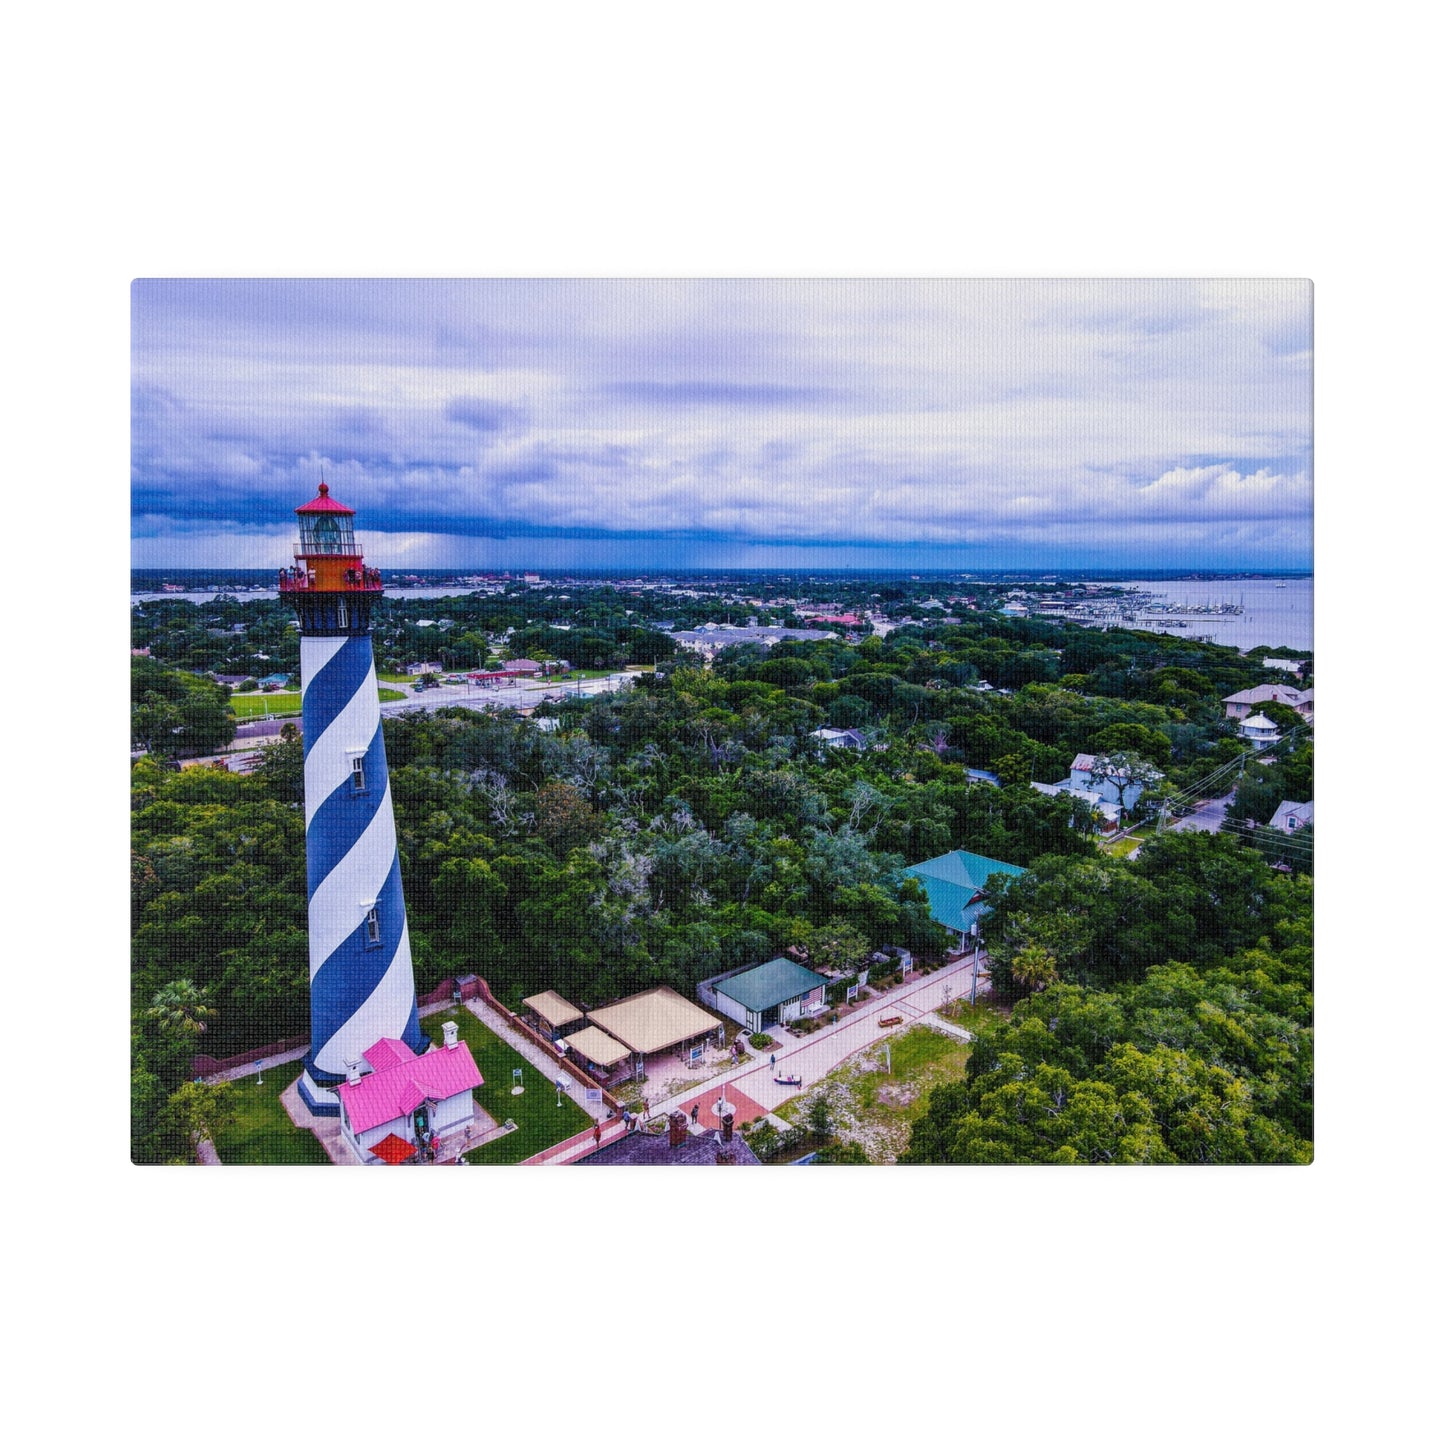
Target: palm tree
x,y
1034,967
181,1008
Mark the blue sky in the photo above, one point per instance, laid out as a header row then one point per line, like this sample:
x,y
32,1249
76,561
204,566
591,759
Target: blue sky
x,y
676,423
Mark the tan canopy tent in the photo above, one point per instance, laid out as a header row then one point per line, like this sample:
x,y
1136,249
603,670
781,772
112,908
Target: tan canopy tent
x,y
652,1021
553,1009
593,1044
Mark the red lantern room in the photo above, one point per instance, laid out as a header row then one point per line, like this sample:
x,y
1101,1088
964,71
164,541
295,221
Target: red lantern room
x,y
328,555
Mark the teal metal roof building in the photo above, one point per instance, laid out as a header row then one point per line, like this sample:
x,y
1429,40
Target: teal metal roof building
x,y
780,980
773,992
954,883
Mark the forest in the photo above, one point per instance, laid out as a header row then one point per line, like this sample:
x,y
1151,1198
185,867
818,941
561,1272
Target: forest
x,y
690,823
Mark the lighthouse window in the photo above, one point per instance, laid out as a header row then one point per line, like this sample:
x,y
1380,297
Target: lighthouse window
x,y
373,928
358,775
341,615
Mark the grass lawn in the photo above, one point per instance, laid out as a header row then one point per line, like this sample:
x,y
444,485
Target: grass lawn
x,y
970,1016
874,1108
540,1122
248,705
1122,847
260,704
263,1133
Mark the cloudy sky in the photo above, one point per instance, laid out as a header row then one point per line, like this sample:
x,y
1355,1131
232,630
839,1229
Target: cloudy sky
x,y
667,424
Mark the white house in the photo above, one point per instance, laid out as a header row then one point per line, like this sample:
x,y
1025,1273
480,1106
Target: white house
x,y
1108,813
1240,704
840,738
1259,731
407,1097
1083,778
1289,817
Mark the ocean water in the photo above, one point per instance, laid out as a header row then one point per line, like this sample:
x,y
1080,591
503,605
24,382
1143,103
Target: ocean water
x,y
1273,616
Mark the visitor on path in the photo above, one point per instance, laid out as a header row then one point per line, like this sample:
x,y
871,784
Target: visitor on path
x,y
597,1136
694,1113
773,1061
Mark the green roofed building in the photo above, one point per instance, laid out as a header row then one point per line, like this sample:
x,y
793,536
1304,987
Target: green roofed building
x,y
775,992
955,885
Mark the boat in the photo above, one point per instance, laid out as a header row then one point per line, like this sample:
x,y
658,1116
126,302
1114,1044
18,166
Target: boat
x,y
794,1079
1279,584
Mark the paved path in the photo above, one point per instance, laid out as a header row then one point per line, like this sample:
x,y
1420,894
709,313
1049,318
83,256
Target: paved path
x,y
814,1055
1206,819
549,1064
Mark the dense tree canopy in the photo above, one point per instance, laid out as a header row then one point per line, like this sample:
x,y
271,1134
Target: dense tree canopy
x,y
690,822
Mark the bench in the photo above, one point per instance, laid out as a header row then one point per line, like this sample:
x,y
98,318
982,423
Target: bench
x,y
890,1020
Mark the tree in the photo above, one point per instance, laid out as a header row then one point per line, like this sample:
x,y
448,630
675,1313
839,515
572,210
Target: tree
x,y
180,1008
1118,774
836,945
565,819
820,1118
195,1112
1034,967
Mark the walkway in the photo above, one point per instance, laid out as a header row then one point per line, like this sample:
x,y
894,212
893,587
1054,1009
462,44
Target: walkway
x,y
547,1063
817,1054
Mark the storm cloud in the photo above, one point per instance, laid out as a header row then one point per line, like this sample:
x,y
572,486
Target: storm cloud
x,y
728,423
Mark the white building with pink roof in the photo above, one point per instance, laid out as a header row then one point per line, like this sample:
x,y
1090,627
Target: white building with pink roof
x,y
415,1097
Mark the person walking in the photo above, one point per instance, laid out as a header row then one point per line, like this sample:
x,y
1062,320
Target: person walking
x,y
597,1136
694,1113
773,1062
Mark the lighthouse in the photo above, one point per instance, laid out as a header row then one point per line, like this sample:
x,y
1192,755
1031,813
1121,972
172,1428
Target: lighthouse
x,y
362,989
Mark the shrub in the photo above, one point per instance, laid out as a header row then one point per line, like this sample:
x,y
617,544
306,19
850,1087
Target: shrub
x,y
762,1041
765,1140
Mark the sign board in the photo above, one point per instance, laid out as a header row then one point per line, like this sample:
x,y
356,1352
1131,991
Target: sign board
x,y
695,1053
593,1096
852,992
516,1076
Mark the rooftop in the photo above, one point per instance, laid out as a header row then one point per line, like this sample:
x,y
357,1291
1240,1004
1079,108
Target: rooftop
x,y
774,982
657,1019
954,883
593,1044
552,1008
644,1148
402,1080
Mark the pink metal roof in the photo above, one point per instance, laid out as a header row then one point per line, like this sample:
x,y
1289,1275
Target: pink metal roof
x,y
322,502
396,1088
386,1052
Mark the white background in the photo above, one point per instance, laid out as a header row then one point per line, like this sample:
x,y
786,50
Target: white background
x,y
669,139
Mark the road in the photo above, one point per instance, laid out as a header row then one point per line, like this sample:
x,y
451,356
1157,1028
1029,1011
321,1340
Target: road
x,y
1207,819
815,1055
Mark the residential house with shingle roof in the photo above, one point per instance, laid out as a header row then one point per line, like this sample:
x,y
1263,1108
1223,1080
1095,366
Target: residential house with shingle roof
x,y
1241,704
1289,817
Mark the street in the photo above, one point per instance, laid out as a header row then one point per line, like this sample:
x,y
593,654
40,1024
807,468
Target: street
x,y
1208,818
